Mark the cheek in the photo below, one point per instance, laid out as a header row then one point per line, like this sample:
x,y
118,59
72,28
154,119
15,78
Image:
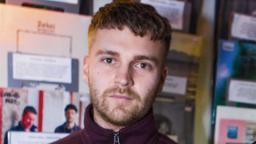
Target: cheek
x,y
27,122
101,78
146,84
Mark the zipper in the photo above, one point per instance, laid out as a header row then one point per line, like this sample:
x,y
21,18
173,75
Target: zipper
x,y
116,138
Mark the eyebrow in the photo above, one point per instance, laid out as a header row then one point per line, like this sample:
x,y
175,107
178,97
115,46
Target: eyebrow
x,y
108,52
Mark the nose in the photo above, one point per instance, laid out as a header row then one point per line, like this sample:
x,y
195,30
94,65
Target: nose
x,y
123,76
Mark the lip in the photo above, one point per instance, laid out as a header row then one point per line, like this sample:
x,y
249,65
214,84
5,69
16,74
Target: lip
x,y
121,97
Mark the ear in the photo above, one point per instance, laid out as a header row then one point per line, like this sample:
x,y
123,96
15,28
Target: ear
x,y
86,69
164,74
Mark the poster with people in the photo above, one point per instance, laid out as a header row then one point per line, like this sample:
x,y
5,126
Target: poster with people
x,y
32,110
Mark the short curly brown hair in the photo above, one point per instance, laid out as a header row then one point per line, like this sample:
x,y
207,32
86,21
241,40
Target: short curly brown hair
x,y
140,18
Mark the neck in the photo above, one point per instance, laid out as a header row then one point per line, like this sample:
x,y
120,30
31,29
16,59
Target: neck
x,y
70,125
25,129
103,123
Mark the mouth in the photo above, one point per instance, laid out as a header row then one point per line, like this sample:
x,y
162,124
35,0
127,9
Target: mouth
x,y
121,97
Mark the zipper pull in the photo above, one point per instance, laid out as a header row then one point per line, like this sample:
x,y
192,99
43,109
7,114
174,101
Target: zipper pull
x,y
116,138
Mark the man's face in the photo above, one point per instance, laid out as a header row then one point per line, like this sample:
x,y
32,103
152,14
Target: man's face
x,y
28,120
70,115
124,72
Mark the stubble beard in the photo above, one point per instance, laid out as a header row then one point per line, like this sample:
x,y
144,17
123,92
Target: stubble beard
x,y
121,115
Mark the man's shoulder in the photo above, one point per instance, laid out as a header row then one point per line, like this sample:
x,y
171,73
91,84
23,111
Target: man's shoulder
x,y
163,139
60,128
16,128
76,128
74,138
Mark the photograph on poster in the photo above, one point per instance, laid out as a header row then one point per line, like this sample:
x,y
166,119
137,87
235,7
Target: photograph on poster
x,y
13,102
67,107
236,131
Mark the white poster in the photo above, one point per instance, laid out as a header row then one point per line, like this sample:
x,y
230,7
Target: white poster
x,y
242,91
41,68
244,27
175,85
41,32
172,10
33,138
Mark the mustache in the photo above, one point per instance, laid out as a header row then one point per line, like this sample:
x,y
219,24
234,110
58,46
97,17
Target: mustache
x,y
127,91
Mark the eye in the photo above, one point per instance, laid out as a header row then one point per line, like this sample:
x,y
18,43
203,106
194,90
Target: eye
x,y
108,60
143,66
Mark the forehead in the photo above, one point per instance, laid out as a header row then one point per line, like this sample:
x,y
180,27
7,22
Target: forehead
x,y
29,114
70,110
125,39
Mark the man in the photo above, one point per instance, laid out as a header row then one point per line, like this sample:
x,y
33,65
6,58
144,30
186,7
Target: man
x,y
27,122
125,69
69,126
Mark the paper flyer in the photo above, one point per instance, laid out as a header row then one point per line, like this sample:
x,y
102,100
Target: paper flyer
x,y
243,27
242,91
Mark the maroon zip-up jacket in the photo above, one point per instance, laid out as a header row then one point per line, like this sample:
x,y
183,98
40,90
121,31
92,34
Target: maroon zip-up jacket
x,y
143,132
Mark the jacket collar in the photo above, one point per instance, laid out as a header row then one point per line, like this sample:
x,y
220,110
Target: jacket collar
x,y
144,131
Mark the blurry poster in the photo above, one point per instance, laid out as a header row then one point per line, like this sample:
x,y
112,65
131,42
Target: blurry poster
x,y
33,138
188,44
236,60
175,119
235,125
243,27
172,10
242,91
